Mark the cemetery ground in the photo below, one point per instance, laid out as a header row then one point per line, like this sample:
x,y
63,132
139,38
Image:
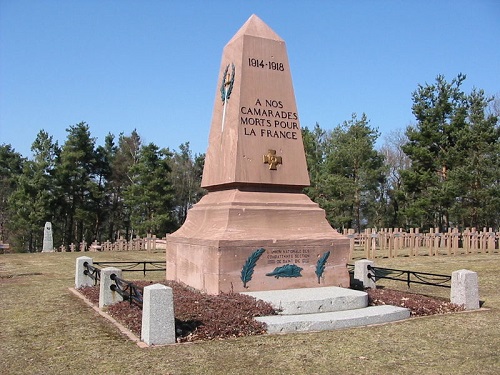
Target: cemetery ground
x,y
45,329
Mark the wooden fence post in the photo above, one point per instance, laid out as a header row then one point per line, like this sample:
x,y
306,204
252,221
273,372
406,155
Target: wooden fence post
x,y
350,235
455,241
411,237
418,240
447,237
430,241
373,242
466,240
391,243
474,239
491,241
482,241
366,242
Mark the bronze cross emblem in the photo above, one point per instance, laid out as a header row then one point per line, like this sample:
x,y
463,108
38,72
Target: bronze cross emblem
x,y
271,159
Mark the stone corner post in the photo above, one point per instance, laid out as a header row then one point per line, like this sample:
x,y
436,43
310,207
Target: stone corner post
x,y
361,273
106,295
82,280
158,322
465,289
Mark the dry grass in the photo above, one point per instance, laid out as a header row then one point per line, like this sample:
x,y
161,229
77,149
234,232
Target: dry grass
x,y
46,330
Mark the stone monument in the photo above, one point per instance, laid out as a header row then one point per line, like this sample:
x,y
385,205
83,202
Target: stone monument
x,y
255,229
48,242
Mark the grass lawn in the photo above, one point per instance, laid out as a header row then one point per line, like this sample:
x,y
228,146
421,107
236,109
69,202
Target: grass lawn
x,y
47,330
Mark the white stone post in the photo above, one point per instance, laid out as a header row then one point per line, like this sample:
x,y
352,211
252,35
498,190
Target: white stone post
x,y
158,322
106,295
361,273
82,280
48,242
464,289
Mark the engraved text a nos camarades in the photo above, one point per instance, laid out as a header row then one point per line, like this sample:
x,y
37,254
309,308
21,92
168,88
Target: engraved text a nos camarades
x,y
272,118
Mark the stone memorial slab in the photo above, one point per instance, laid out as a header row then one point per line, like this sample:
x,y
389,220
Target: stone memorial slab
x,y
48,242
255,229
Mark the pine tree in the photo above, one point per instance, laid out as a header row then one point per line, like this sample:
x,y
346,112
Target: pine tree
x,y
454,155
125,157
33,202
149,198
103,195
347,184
396,162
186,172
76,175
11,167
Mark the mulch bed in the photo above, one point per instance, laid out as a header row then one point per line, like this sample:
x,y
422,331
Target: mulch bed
x,y
200,316
418,304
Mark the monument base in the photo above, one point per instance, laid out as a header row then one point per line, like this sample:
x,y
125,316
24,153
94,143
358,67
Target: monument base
x,y
247,240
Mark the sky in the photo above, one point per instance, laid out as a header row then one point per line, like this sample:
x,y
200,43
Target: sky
x,y
153,66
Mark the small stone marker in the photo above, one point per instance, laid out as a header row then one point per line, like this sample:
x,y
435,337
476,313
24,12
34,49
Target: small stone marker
x,y
464,289
82,280
48,242
361,273
158,322
256,229
106,295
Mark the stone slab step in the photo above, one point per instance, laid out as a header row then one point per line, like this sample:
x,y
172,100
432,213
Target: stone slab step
x,y
334,320
313,300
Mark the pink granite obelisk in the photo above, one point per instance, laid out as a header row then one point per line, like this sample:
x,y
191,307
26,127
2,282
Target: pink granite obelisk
x,y
255,229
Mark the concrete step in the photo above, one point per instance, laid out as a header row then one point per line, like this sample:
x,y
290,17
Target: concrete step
x,y
313,300
334,320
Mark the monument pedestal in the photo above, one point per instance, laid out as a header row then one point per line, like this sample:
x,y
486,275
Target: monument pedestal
x,y
246,240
